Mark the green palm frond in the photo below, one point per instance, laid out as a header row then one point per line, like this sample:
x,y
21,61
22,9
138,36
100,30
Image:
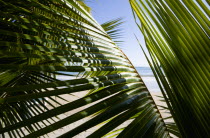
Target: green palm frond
x,y
44,38
82,3
177,38
113,29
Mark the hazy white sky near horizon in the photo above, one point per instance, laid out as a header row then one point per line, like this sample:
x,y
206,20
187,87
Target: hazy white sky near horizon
x,y
105,10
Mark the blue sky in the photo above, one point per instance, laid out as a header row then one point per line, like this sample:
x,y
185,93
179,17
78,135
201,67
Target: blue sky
x,y
105,10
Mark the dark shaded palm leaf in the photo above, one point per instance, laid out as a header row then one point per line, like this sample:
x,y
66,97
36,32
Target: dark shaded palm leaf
x,y
177,38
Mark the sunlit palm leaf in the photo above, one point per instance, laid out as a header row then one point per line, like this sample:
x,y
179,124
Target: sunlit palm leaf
x,y
113,29
82,3
177,37
41,39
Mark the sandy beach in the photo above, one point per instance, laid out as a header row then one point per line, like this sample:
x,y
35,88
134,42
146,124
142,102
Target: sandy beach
x,y
89,131
86,133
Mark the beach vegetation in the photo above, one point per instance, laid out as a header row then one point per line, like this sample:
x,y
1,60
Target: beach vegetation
x,y
45,38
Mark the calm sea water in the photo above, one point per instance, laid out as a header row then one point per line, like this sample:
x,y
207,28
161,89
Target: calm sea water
x,y
145,72
148,78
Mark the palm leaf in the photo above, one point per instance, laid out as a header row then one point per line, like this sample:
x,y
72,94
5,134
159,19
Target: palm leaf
x,y
113,29
42,39
177,38
82,3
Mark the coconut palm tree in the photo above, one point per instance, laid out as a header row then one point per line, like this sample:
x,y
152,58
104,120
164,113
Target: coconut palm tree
x,y
45,38
42,39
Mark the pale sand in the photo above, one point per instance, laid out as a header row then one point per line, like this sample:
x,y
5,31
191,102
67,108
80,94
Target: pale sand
x,y
89,131
75,124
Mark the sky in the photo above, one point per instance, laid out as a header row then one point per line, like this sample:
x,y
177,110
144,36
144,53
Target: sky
x,y
105,10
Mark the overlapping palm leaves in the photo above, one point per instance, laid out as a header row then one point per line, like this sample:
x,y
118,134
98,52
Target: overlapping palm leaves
x,y
177,37
40,39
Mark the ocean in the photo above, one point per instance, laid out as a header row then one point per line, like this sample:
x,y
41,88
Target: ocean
x,y
145,73
148,78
